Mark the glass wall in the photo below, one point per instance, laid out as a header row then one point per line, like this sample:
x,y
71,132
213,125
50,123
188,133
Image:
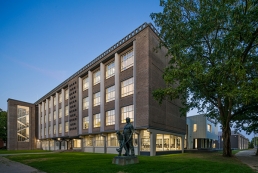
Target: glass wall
x,y
145,140
23,120
166,142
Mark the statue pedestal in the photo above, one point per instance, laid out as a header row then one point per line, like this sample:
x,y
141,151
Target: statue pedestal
x,y
125,160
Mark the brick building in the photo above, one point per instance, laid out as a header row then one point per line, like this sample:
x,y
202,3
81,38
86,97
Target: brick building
x,y
86,110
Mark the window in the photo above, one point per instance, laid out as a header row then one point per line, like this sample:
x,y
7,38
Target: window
x,y
45,118
112,140
49,104
127,87
66,94
45,131
96,99
110,70
42,119
96,120
195,128
60,98
99,141
209,128
60,113
49,117
127,111
60,128
54,129
110,117
85,83
66,126
23,121
85,123
85,104
127,60
110,93
96,77
54,98
49,130
66,111
54,115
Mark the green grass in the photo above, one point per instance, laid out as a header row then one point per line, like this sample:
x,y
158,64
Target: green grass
x,y
21,151
79,162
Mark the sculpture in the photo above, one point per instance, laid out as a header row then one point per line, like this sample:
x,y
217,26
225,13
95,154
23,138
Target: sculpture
x,y
126,139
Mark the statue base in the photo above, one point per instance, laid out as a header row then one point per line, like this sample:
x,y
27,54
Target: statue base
x,y
125,160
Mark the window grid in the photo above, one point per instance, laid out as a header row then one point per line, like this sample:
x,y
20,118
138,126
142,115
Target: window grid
x,y
127,87
54,98
127,60
66,126
60,128
49,117
45,118
60,98
110,117
110,93
96,77
85,102
195,128
54,129
96,122
85,83
209,128
85,123
54,115
66,111
110,70
127,111
96,98
66,94
60,113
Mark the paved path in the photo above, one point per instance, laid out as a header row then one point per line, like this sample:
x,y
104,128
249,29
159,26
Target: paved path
x,y
248,157
8,166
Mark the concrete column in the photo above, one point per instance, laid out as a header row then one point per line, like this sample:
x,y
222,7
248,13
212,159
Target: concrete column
x,y
80,105
57,111
43,123
153,143
39,121
134,84
182,143
117,91
90,101
51,116
47,114
102,97
63,112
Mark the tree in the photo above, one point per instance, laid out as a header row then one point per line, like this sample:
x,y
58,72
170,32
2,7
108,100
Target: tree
x,y
3,125
212,46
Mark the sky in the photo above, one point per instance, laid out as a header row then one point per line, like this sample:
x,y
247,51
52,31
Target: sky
x,y
44,42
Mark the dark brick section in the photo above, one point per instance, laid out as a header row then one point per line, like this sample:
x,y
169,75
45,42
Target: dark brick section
x,y
13,143
73,107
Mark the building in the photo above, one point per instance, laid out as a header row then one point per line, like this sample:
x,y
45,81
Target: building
x,y
202,132
86,110
237,140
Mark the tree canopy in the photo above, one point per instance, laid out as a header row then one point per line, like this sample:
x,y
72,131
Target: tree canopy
x,y
213,48
3,125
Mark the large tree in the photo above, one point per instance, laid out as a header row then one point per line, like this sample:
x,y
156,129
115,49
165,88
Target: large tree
x,y
3,125
213,51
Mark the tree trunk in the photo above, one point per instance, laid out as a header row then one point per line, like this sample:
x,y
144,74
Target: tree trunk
x,y
256,152
226,133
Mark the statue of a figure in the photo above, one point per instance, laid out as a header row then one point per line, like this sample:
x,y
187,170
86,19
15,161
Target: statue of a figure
x,y
127,141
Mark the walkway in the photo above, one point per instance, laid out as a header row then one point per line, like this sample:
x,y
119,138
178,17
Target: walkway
x,y
249,158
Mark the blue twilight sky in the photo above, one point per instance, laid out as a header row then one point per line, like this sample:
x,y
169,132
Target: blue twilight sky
x,y
43,42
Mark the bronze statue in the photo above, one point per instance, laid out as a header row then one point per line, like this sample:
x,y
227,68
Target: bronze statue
x,y
127,141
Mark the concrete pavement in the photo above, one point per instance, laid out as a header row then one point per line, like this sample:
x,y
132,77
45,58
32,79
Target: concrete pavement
x,y
249,158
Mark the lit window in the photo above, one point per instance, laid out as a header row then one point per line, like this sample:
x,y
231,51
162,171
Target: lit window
x,y
85,123
66,126
110,93
127,87
60,98
110,117
85,84
60,128
96,99
99,141
60,113
96,120
66,111
195,128
54,115
127,60
127,111
54,98
85,103
54,129
66,94
96,77
110,70
209,128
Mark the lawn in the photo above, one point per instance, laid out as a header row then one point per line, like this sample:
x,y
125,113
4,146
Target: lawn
x,y
21,151
78,162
